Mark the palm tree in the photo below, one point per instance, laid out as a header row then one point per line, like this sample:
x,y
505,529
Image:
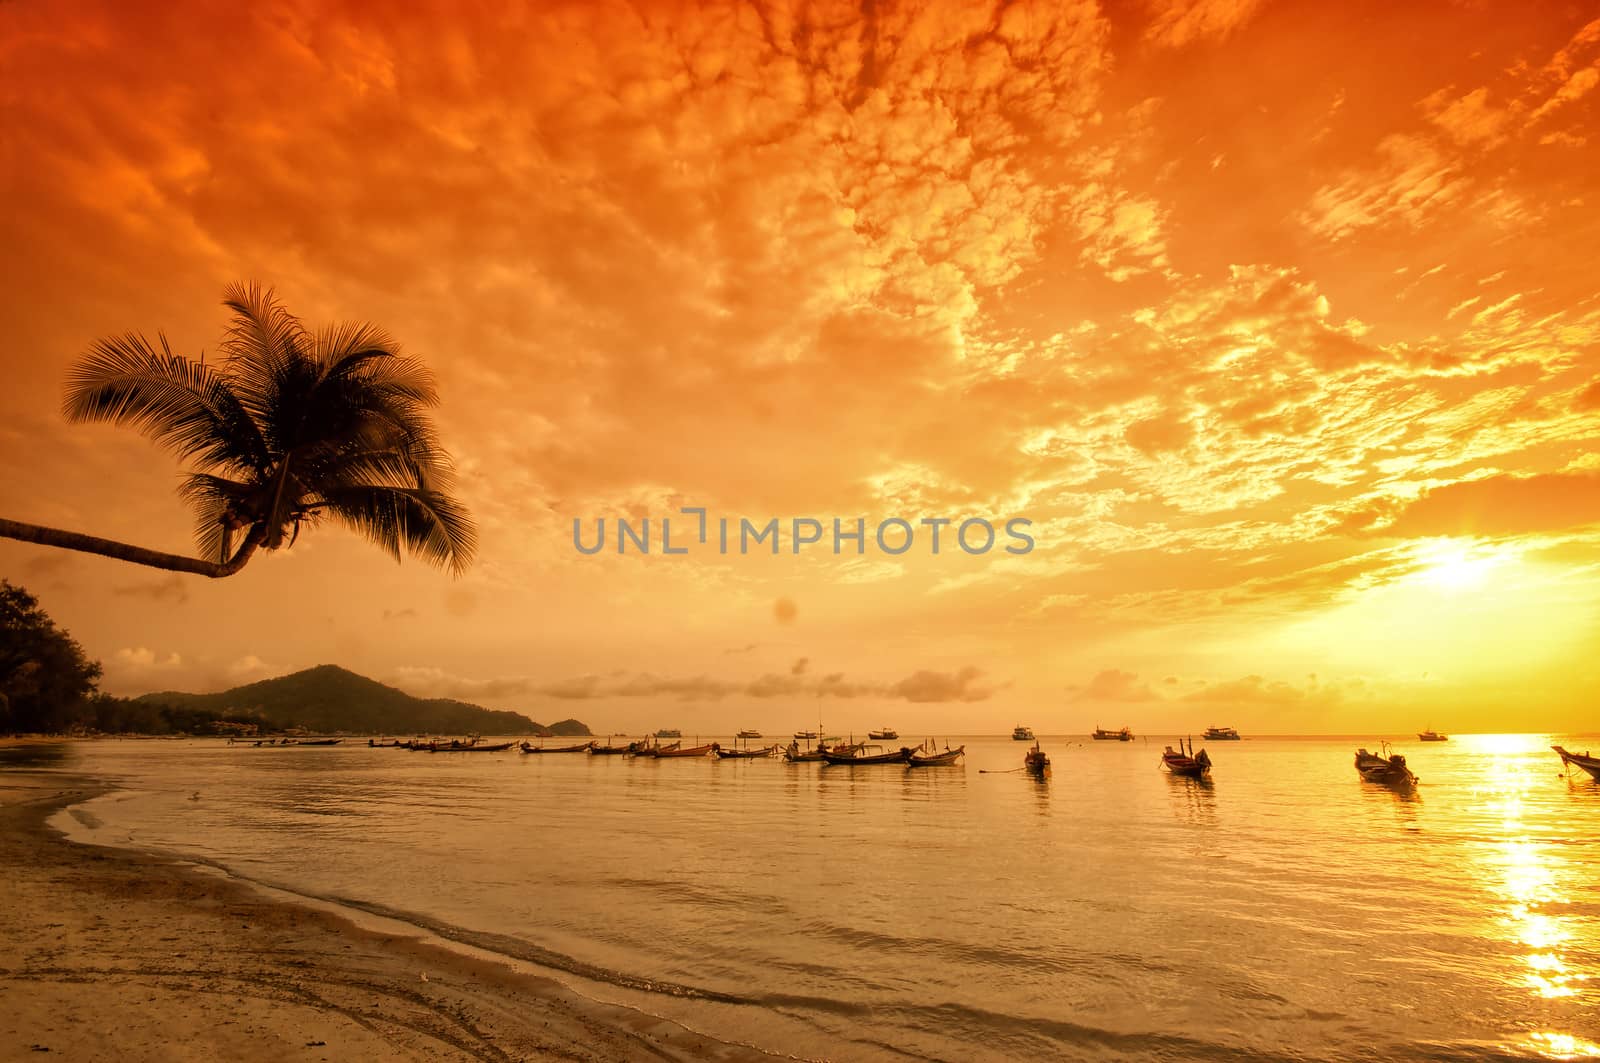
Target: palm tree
x,y
292,427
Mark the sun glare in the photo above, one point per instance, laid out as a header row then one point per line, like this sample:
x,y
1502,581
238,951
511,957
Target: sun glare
x,y
1453,565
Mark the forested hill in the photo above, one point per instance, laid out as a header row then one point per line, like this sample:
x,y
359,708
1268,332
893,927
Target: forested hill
x,y
330,698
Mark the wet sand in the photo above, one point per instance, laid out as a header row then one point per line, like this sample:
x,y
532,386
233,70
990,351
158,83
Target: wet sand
x,y
113,954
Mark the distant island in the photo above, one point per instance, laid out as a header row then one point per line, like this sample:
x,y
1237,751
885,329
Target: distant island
x,y
329,698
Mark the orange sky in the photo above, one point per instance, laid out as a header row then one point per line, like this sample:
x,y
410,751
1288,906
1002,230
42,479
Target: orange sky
x,y
1279,321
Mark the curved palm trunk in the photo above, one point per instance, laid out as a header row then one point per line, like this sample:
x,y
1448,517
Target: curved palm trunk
x,y
138,555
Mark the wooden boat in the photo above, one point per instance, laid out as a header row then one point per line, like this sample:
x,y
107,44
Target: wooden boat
x,y
580,748
692,751
645,749
1582,760
887,734
860,754
749,732
471,747
1430,735
1386,767
742,754
609,751
1186,762
795,755
806,736
1035,762
919,759
1020,733
1221,734
1102,735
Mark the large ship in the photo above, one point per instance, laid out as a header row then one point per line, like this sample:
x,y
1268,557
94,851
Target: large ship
x,y
1222,734
1022,734
1102,735
669,732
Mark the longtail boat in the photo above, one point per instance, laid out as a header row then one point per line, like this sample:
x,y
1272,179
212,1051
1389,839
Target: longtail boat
x,y
794,755
1035,762
692,751
609,751
311,742
920,759
528,747
1386,767
645,749
1186,762
742,754
496,747
863,755
1582,760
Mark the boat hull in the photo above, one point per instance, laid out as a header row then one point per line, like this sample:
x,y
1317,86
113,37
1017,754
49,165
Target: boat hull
x,y
744,754
901,756
935,760
1385,771
692,751
1579,760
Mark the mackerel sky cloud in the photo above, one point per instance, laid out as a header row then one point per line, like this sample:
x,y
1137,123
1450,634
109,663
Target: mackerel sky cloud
x,y
1280,323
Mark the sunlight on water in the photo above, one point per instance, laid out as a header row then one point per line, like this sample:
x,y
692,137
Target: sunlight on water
x,y
1564,1046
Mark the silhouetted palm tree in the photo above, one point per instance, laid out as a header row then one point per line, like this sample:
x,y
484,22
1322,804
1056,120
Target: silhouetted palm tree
x,y
290,428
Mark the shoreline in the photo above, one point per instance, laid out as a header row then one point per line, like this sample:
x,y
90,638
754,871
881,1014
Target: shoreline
x,y
120,953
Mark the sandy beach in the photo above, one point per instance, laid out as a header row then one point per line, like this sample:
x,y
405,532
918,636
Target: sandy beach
x,y
113,954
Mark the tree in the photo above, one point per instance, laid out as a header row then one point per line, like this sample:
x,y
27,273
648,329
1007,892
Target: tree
x,y
44,675
291,428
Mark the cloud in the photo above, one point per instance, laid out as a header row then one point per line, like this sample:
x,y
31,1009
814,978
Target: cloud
x,y
928,686
143,659
1502,505
1114,684
174,589
1175,23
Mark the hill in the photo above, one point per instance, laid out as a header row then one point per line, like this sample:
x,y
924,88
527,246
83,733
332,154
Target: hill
x,y
330,698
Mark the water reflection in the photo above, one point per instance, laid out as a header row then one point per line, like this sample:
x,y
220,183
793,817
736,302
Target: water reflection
x,y
1529,876
42,755
1194,800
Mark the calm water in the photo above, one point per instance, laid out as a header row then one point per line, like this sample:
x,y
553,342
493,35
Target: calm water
x,y
1285,910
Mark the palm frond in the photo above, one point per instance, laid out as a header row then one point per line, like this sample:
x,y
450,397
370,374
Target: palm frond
x,y
180,404
266,360
432,527
215,500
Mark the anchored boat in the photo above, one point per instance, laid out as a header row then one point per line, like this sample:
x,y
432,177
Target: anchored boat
x,y
1386,767
1102,735
1020,733
863,754
1186,762
1582,760
934,758
1035,762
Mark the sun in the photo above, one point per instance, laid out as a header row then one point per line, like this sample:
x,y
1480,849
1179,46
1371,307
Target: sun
x,y
1452,565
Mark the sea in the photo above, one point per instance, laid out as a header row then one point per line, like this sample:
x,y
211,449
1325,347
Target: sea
x,y
1281,910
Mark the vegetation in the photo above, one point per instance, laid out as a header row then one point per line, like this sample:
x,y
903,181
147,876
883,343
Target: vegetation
x,y
330,698
45,677
291,427
47,686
